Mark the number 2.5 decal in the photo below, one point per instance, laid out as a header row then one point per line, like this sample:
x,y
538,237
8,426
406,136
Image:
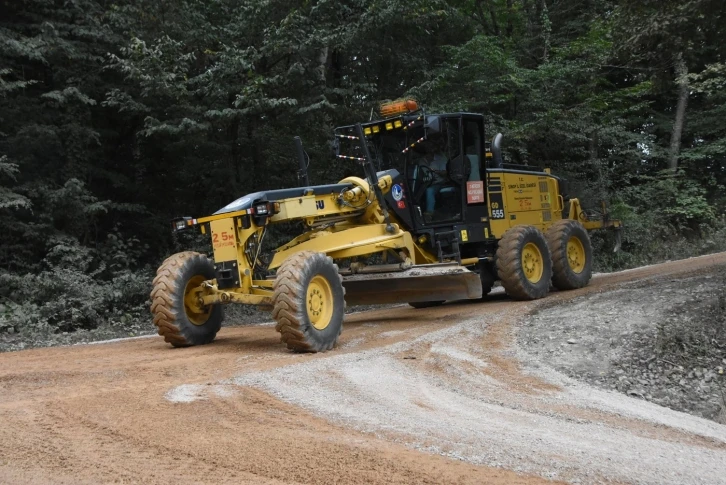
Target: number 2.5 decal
x,y
223,239
226,236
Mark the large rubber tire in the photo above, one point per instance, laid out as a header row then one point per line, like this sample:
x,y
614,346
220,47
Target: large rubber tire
x,y
426,304
524,264
177,323
309,302
571,254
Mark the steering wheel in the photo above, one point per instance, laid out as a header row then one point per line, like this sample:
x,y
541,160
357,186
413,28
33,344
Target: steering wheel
x,y
427,175
420,177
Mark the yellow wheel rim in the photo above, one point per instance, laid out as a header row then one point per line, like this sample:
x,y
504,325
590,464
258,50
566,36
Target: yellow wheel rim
x,y
319,302
532,264
576,254
196,314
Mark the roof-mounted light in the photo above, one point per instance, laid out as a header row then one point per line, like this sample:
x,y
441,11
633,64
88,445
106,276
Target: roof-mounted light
x,y
398,107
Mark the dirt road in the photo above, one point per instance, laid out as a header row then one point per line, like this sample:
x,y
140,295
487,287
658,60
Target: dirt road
x,y
411,396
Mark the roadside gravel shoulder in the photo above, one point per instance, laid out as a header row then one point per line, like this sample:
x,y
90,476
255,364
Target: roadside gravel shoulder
x,y
659,339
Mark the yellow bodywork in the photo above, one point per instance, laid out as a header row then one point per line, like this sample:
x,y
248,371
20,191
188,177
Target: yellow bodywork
x,y
531,199
350,241
351,224
523,198
357,228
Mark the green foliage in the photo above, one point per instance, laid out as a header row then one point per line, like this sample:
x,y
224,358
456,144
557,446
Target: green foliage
x,y
116,117
76,287
676,202
666,217
8,198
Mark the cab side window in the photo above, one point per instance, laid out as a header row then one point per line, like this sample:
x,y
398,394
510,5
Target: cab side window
x,y
452,139
473,147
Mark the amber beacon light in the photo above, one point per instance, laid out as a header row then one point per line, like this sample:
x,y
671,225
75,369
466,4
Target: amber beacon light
x,y
398,107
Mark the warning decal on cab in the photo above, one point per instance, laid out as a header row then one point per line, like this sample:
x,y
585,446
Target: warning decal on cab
x,y
475,192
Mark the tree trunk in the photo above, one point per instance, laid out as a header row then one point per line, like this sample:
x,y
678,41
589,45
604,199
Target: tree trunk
x,y
510,18
336,68
322,64
234,150
482,17
233,133
682,81
544,18
254,173
597,163
493,16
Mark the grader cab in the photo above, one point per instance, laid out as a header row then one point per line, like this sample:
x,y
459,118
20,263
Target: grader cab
x,y
437,217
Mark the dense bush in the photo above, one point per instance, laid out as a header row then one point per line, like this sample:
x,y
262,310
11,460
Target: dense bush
x,y
117,116
666,217
75,287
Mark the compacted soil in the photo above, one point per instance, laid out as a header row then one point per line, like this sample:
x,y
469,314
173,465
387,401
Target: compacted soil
x,y
471,392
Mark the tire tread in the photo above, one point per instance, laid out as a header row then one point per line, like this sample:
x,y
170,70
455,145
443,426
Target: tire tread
x,y
557,236
167,295
288,307
509,263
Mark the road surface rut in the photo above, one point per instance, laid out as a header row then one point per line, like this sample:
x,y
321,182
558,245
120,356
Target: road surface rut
x,y
439,395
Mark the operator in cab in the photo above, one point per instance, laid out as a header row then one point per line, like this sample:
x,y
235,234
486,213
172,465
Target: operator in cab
x,y
435,159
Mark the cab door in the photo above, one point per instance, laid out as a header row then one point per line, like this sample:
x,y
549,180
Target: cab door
x,y
474,151
442,201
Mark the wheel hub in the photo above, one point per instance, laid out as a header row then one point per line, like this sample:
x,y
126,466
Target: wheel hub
x,y
196,313
575,255
532,263
319,302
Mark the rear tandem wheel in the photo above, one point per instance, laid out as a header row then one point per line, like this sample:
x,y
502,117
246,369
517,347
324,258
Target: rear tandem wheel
x,y
524,264
571,254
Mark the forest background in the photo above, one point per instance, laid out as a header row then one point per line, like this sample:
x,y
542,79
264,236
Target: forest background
x,y
116,116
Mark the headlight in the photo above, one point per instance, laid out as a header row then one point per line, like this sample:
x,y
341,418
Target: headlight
x,y
262,210
182,223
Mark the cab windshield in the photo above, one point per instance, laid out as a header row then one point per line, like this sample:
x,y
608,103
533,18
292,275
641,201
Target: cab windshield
x,y
434,190
436,162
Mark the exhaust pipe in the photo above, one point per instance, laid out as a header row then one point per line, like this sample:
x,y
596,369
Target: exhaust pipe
x,y
302,174
497,151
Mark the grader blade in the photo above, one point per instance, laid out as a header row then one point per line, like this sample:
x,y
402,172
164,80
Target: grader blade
x,y
418,284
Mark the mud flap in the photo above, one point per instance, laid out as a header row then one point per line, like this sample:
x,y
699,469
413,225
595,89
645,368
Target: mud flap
x,y
417,284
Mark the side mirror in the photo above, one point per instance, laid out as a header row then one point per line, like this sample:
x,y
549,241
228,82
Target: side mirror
x,y
432,125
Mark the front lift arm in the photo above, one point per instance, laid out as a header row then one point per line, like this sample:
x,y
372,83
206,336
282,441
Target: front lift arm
x,y
351,224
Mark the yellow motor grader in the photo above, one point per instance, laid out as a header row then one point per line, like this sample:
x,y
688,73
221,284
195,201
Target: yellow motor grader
x,y
437,217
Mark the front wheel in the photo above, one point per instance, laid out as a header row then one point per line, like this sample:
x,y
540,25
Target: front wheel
x,y
309,302
571,254
524,264
175,301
